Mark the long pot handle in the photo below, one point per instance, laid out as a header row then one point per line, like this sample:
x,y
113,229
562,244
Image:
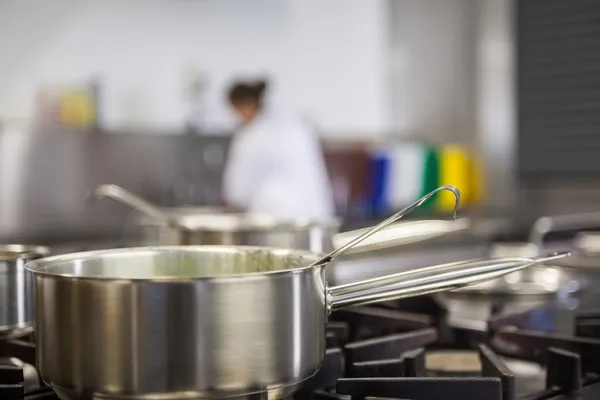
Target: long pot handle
x,y
545,225
428,280
369,232
134,201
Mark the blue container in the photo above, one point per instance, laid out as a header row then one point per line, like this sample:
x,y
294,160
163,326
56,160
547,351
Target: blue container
x,y
379,196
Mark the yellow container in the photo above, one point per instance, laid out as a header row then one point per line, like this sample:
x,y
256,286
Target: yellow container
x,y
454,169
76,109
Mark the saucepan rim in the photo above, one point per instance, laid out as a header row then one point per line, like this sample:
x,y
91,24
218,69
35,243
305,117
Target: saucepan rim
x,y
43,266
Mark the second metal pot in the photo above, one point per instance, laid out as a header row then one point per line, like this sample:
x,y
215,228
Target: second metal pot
x,y
210,226
16,300
241,229
564,277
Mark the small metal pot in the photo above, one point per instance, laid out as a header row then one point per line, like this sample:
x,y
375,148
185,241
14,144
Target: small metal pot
x,y
16,302
564,276
197,322
208,225
586,255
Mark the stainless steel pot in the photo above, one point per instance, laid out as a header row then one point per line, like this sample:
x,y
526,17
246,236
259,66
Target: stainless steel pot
x,y
241,229
16,302
586,255
542,280
210,226
196,322
184,226
539,280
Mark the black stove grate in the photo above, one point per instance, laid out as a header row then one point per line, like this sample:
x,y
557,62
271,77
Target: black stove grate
x,y
422,388
393,366
536,345
12,376
381,353
410,381
587,324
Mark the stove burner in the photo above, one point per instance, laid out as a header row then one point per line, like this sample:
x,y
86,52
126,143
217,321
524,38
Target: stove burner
x,y
452,362
529,376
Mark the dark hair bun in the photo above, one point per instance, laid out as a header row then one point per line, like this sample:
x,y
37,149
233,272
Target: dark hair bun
x,y
260,87
241,92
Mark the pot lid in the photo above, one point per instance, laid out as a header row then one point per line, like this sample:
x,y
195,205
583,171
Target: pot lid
x,y
400,234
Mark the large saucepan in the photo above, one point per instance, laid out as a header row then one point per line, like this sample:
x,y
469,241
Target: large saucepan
x,y
183,226
196,322
16,300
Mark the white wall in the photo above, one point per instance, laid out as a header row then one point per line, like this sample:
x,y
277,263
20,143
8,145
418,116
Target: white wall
x,y
434,69
340,62
329,57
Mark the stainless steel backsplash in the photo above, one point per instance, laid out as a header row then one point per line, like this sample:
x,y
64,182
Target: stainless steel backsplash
x,y
45,177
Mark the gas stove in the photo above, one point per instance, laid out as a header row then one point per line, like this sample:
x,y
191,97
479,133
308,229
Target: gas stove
x,y
505,363
18,378
414,350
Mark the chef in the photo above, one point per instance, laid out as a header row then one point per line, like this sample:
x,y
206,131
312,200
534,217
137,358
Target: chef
x,y
275,165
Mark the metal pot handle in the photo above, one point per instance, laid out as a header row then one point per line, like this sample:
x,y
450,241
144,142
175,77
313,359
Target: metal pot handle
x,y
369,232
428,280
134,201
548,224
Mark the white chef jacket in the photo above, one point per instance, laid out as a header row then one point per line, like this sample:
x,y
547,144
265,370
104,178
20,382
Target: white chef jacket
x,y
275,166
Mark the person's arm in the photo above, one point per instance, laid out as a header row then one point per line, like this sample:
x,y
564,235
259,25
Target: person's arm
x,y
234,188
243,174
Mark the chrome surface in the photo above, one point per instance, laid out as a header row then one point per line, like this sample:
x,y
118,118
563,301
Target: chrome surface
x,y
370,232
16,290
191,322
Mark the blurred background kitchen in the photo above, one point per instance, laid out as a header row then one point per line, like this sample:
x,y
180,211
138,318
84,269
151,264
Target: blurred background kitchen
x,y
498,97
